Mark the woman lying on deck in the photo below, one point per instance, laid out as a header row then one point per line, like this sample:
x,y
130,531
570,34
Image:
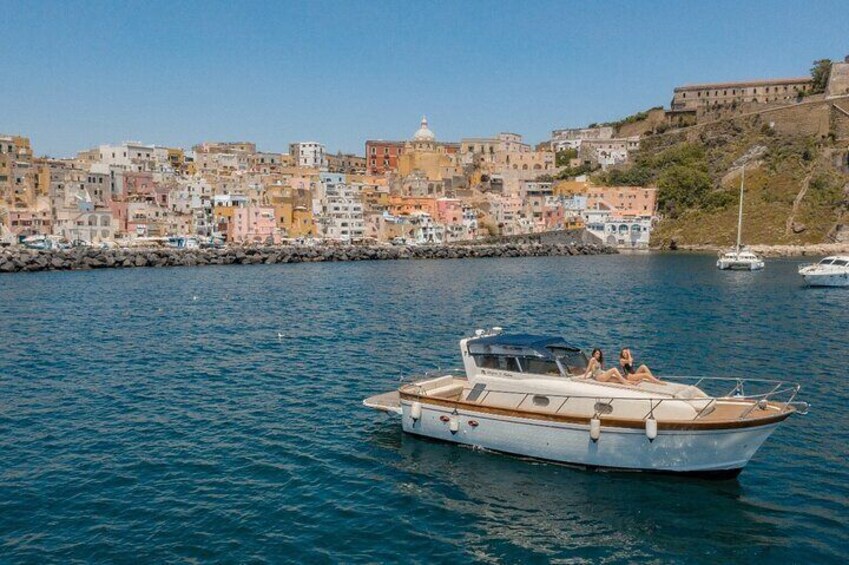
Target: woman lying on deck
x,y
595,369
626,361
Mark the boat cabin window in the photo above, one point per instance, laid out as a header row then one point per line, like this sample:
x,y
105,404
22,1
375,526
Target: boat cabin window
x,y
500,362
539,366
827,261
840,263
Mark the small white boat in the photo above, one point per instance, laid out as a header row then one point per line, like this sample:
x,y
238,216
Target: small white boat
x,y
831,271
740,259
526,395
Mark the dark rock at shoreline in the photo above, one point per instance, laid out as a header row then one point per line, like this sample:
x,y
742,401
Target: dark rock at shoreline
x,y
27,260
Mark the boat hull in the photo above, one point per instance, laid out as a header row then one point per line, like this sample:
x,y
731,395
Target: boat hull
x,y
741,266
716,452
832,279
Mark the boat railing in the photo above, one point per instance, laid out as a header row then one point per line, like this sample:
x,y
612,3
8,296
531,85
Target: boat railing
x,y
777,392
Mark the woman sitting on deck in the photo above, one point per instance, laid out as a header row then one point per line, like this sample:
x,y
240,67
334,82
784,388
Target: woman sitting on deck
x,y
626,361
595,369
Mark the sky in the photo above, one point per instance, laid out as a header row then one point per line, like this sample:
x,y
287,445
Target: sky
x,y
78,74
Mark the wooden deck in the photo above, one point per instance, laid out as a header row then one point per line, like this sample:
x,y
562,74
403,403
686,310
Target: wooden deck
x,y
732,411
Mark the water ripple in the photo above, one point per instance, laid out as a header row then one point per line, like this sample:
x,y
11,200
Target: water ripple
x,y
138,421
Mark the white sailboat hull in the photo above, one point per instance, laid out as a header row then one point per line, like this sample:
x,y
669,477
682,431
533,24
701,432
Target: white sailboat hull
x,y
736,265
718,452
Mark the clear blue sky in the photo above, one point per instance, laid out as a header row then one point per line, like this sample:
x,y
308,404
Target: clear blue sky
x,y
77,74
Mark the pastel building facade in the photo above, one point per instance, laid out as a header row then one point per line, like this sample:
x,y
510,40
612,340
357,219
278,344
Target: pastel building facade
x,y
309,154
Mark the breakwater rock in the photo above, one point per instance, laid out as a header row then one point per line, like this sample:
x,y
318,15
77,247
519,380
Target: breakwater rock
x,y
28,260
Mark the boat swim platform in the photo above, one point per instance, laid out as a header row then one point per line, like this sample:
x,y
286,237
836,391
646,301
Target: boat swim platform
x,y
387,402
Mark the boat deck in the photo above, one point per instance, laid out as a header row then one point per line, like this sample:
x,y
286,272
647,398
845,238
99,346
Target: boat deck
x,y
386,402
725,411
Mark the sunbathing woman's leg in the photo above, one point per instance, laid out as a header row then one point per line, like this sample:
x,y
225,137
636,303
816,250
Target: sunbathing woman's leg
x,y
613,375
646,375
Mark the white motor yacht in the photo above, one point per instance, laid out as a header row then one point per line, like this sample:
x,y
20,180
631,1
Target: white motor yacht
x,y
831,271
526,395
740,259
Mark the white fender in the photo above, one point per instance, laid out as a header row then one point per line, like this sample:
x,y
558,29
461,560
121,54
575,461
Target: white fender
x,y
595,429
454,425
651,429
416,410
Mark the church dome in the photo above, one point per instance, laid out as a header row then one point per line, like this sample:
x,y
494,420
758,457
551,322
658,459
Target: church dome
x,y
424,133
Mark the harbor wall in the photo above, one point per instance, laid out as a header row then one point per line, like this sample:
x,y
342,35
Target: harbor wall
x,y
27,260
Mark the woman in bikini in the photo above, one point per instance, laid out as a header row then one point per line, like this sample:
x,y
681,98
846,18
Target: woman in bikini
x,y
626,361
595,369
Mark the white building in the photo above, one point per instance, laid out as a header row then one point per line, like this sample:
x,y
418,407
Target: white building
x,y
309,154
619,230
341,215
130,156
425,229
193,197
573,138
609,152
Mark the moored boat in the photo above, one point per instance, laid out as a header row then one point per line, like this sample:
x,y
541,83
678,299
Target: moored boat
x,y
526,395
830,271
740,258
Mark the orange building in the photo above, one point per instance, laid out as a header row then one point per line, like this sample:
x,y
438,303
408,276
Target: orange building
x,y
408,205
382,156
627,200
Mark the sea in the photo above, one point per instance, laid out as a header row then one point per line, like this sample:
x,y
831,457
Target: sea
x,y
214,414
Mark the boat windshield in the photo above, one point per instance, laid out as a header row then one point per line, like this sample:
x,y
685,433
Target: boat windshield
x,y
575,362
827,261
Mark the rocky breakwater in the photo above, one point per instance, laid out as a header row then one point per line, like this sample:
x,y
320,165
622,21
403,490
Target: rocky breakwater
x,y
15,259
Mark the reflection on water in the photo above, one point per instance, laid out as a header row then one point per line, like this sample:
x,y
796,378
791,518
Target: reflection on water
x,y
138,420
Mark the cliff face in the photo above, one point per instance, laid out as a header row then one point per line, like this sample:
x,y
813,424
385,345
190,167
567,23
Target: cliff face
x,y
797,177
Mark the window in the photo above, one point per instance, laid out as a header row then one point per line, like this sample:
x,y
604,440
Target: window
x,y
501,362
539,366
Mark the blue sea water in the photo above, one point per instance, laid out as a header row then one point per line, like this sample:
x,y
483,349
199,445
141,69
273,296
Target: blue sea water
x,y
214,414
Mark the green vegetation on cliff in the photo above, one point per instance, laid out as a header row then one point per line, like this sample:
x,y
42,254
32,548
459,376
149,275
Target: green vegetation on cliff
x,y
794,194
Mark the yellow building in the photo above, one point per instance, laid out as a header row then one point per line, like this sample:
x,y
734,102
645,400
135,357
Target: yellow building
x,y
176,158
423,153
292,210
569,187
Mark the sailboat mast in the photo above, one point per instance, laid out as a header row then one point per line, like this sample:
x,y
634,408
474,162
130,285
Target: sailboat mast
x,y
740,213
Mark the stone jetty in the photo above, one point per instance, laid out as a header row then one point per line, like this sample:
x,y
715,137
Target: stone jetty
x,y
16,259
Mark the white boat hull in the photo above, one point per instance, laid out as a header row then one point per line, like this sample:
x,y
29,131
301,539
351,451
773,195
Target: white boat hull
x,y
721,452
740,265
831,279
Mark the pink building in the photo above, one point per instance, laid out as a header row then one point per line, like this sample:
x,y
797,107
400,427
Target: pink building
x,y
139,184
630,200
449,211
253,224
119,213
27,222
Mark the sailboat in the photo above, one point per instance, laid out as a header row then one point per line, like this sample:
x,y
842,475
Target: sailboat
x,y
740,259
